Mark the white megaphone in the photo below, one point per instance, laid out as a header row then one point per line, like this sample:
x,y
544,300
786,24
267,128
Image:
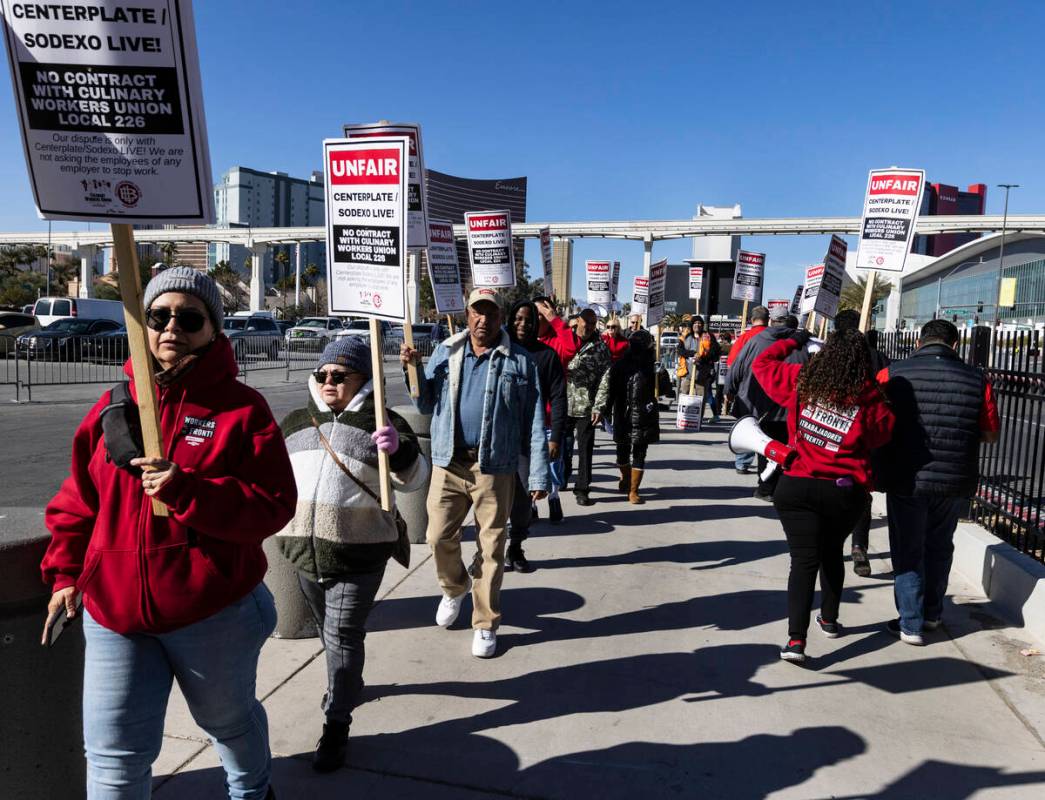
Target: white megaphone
x,y
746,437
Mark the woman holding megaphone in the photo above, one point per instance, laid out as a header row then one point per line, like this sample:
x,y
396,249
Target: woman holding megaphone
x,y
837,415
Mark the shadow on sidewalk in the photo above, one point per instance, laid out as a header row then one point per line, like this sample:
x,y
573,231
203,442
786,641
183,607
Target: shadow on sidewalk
x,y
723,553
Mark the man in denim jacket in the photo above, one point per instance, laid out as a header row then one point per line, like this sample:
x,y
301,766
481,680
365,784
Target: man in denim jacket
x,y
485,400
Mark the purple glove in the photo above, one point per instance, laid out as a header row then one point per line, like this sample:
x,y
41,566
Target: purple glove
x,y
386,439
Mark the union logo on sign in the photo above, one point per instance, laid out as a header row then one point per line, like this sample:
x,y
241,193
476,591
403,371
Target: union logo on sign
x,y
128,193
377,300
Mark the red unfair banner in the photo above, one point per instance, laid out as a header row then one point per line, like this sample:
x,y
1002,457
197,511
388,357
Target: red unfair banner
x,y
598,266
895,184
491,222
441,233
757,259
365,167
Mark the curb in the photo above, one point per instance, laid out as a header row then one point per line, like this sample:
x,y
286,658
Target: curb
x,y
1012,581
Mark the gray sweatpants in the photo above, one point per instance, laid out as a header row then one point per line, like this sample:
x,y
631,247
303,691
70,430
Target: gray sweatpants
x,y
341,609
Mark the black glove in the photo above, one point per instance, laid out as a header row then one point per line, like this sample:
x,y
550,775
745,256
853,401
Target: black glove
x,y
801,337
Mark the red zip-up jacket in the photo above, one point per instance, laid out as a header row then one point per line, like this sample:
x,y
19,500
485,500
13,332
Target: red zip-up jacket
x,y
831,442
562,340
618,347
235,487
741,340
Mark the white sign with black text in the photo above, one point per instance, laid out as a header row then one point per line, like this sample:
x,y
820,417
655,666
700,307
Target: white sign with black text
x,y
658,275
443,270
640,295
417,203
599,289
111,110
546,260
891,206
490,248
814,275
366,218
696,282
747,280
831,282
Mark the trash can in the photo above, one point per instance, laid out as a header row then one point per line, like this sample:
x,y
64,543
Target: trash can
x,y
414,505
41,724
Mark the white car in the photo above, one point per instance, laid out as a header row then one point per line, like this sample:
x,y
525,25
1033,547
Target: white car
x,y
669,339
361,327
313,333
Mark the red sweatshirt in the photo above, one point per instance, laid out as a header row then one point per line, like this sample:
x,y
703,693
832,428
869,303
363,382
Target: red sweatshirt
x,y
235,487
562,341
831,442
741,339
618,347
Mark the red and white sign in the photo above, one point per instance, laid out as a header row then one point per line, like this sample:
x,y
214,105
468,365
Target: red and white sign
x,y
891,206
747,279
696,282
490,248
546,260
640,295
417,213
814,275
443,270
796,303
599,290
366,217
784,304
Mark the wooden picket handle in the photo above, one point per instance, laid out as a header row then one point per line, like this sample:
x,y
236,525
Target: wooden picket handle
x,y
865,311
823,328
743,318
450,323
380,419
138,344
411,368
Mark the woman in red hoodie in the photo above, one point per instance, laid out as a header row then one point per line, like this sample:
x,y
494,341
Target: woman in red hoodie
x,y
177,597
837,415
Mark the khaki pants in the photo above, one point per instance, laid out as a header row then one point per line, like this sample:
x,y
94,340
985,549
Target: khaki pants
x,y
456,489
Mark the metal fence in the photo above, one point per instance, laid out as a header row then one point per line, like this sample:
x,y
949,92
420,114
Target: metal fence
x,y
100,359
1011,492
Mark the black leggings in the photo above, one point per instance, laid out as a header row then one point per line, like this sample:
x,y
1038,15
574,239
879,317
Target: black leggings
x,y
634,454
817,517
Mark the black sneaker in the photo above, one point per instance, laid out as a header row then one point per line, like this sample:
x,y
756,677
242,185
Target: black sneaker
x,y
794,650
743,470
931,624
861,563
516,561
583,499
832,630
332,748
766,497
893,626
554,511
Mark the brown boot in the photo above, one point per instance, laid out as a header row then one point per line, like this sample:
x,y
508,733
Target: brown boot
x,y
636,481
624,484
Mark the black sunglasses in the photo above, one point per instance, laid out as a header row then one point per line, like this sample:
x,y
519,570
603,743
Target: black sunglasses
x,y
337,377
189,320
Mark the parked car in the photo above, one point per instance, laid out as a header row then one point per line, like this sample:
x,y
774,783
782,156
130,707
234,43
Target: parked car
x,y
13,325
361,327
431,332
107,348
669,339
28,309
63,340
49,309
253,335
284,325
313,333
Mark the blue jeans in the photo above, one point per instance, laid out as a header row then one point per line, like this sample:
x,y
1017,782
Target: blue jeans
x,y
921,538
743,460
127,682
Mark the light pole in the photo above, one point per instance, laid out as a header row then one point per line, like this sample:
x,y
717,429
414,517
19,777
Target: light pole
x,y
939,283
1001,252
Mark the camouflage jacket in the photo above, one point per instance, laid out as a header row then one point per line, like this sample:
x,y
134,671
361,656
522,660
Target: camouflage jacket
x,y
587,379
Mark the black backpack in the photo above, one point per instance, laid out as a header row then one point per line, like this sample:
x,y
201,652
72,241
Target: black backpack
x,y
122,428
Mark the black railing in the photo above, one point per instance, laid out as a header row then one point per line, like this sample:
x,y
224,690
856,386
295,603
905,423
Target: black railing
x,y
1011,491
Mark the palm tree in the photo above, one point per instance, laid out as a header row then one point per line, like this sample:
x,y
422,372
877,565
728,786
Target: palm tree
x,y
311,276
169,252
226,277
853,294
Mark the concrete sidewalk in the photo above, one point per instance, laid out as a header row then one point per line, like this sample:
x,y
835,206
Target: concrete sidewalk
x,y
640,660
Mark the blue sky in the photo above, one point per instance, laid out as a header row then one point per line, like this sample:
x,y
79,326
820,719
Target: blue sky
x,y
632,110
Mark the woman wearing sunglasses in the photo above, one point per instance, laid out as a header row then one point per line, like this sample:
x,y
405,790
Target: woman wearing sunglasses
x,y
177,597
340,539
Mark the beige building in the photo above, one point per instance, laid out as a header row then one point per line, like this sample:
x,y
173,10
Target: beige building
x,y
562,269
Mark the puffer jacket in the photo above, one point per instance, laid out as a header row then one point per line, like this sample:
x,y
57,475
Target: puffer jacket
x,y
338,527
141,573
631,402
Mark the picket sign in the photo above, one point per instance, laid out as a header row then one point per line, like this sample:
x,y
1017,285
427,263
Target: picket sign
x,y
377,362
690,413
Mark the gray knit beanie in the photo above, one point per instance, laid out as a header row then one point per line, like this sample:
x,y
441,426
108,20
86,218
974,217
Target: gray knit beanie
x,y
188,281
351,352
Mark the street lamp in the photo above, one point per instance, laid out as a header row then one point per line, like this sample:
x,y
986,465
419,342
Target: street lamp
x,y
1001,252
939,283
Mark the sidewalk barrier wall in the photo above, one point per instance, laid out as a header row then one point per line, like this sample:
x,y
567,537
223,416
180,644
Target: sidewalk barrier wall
x,y
413,505
41,728
293,618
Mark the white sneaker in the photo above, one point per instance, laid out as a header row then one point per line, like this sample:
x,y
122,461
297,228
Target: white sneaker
x,y
484,643
450,607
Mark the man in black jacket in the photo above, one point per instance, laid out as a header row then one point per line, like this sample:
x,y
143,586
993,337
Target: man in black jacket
x,y
522,329
944,408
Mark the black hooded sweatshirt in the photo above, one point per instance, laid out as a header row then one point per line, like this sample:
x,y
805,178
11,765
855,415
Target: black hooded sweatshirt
x,y
549,372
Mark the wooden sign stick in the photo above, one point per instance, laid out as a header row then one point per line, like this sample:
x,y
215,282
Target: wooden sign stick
x,y
450,323
743,318
823,328
138,343
811,322
411,368
693,376
380,418
865,311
